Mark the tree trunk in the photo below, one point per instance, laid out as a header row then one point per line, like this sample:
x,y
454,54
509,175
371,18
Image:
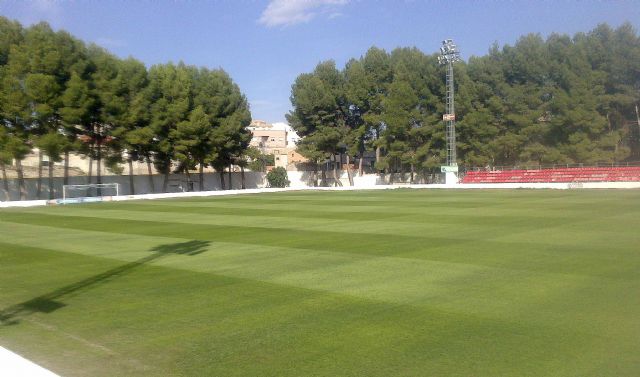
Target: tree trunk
x,y
242,186
377,155
315,174
335,175
51,191
349,170
413,170
323,179
230,182
5,183
99,169
150,175
201,177
165,182
336,180
66,168
189,185
39,187
132,190
222,179
361,165
21,184
90,165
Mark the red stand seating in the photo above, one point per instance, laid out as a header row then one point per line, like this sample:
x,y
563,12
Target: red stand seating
x,y
589,174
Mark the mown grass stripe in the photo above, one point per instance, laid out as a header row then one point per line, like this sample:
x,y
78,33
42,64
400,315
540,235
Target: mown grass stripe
x,y
389,208
533,255
303,239
476,226
428,216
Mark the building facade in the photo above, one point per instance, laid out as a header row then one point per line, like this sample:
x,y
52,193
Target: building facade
x,y
278,139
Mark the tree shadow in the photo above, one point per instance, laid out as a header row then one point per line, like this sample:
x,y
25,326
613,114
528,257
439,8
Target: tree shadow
x,y
52,301
193,247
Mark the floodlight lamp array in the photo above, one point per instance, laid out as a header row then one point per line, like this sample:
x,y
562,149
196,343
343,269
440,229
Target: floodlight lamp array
x,y
448,52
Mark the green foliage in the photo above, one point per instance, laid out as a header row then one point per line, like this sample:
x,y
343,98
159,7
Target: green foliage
x,y
79,103
131,124
277,177
52,144
55,88
323,116
6,154
192,138
230,117
259,161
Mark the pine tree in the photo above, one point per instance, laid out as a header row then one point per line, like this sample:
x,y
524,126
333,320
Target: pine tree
x,y
131,120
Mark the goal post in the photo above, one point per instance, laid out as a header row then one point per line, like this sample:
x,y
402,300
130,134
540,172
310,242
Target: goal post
x,y
94,192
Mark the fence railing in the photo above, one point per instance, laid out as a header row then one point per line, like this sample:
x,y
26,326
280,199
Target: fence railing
x,y
551,166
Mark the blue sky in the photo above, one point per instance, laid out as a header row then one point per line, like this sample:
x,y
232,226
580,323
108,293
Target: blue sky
x,y
265,44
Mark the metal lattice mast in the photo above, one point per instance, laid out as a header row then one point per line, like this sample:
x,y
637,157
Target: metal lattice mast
x,y
451,123
448,55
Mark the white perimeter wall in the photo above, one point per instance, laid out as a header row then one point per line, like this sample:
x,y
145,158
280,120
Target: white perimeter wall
x,y
299,179
557,186
255,182
141,183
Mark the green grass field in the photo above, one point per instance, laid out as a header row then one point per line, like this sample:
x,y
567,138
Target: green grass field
x,y
369,283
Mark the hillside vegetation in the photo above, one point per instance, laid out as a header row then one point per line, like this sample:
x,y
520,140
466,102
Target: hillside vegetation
x,y
557,100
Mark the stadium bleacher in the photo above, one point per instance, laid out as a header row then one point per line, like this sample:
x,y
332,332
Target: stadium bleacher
x,y
586,174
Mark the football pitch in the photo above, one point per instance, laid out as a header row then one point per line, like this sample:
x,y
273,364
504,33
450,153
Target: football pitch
x,y
363,283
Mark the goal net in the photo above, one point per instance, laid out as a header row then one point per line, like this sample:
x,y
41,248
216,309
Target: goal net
x,y
89,193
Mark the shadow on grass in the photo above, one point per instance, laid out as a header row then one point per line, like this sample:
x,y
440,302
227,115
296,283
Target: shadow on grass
x,y
51,301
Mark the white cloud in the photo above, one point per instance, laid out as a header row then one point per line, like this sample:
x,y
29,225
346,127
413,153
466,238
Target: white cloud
x,y
291,12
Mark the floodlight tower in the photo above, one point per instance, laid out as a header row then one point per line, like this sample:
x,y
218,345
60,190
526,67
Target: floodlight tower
x,y
449,54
